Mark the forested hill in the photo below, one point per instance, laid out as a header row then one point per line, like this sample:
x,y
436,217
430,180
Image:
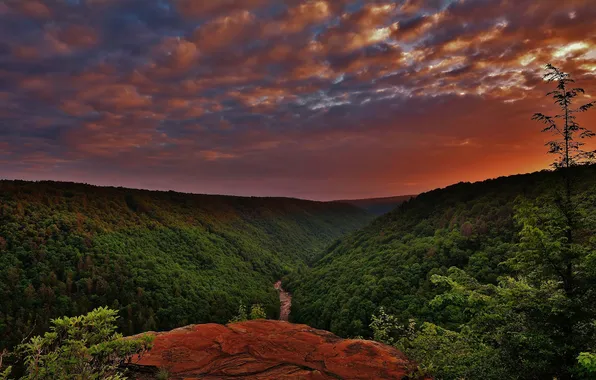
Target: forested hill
x,y
164,259
390,262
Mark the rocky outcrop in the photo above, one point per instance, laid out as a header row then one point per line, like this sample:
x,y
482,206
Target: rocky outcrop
x,y
266,349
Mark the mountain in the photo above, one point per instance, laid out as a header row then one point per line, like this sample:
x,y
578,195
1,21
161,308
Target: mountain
x,y
265,349
378,206
163,259
390,262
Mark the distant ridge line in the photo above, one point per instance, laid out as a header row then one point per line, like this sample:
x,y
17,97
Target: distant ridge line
x,y
378,206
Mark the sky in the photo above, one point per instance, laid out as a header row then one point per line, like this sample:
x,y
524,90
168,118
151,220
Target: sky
x,y
313,99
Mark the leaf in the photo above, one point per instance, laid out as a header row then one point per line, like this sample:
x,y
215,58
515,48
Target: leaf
x,y
586,107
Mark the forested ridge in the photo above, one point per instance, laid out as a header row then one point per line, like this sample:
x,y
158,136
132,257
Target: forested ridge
x,y
391,262
162,259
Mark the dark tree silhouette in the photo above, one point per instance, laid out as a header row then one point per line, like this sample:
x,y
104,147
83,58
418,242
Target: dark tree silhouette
x,y
564,125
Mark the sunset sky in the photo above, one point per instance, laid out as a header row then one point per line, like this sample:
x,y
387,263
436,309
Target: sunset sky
x,y
313,99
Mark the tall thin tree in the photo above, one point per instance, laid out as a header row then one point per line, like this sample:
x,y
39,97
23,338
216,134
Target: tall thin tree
x,y
568,133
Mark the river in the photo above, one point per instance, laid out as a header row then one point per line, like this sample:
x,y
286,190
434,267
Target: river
x,y
285,302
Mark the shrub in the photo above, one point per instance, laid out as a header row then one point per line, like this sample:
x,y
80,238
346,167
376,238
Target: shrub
x,y
83,347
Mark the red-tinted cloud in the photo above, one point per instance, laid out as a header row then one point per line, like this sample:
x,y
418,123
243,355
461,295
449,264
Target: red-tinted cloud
x,y
312,98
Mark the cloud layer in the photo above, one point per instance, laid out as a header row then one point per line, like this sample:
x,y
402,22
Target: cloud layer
x,y
309,98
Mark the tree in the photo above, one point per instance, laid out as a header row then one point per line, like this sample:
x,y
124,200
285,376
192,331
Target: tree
x,y
557,250
567,132
388,329
257,312
588,361
440,352
241,316
564,125
84,347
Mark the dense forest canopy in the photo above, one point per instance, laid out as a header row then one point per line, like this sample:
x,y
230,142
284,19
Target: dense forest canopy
x,y
390,262
163,259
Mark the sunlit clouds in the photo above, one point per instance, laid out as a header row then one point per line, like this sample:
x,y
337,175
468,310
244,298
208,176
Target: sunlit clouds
x,y
308,98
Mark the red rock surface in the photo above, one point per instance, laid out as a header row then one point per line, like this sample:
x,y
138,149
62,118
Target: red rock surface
x,y
266,349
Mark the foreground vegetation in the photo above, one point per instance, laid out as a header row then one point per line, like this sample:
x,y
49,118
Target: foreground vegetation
x,y
84,347
162,259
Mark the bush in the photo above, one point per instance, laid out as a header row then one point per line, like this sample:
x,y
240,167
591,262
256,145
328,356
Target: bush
x,y
163,374
586,360
257,312
241,316
4,373
83,347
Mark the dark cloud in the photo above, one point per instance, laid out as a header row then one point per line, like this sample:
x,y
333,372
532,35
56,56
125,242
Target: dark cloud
x,y
312,98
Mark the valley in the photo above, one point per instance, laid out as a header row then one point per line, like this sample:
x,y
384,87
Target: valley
x,y
162,259
297,189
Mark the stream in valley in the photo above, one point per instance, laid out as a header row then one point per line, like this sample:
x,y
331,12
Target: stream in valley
x,y
285,302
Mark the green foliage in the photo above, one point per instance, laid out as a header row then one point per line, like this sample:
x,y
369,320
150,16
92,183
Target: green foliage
x,y
588,361
163,374
390,262
537,319
440,352
516,320
509,330
241,316
530,326
162,259
4,372
257,312
387,328
497,286
83,347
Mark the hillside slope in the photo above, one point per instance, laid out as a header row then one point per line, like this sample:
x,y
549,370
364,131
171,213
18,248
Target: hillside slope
x,y
389,263
379,206
163,259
